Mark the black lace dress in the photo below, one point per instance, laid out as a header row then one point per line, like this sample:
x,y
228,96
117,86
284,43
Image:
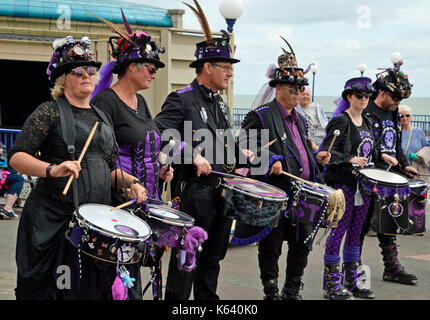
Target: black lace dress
x,y
43,254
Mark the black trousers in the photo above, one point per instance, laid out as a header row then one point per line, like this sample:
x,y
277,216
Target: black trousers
x,y
204,203
270,249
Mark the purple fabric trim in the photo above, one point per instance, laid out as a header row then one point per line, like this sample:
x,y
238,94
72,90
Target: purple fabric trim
x,y
124,156
331,259
272,160
256,238
386,191
185,89
350,253
261,118
150,178
202,53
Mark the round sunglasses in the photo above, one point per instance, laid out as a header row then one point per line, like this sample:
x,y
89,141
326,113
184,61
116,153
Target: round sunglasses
x,y
80,71
405,115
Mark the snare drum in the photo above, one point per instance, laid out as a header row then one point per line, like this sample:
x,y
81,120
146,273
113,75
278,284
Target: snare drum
x,y
168,225
318,206
390,192
417,206
252,202
110,236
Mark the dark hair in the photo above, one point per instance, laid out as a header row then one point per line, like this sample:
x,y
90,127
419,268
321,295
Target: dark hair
x,y
199,68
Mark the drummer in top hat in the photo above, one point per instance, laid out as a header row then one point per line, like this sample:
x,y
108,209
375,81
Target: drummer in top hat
x,y
292,152
201,104
43,251
392,86
354,146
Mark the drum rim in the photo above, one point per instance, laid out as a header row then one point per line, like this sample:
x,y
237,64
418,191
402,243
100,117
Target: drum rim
x,y
400,184
104,232
170,221
268,198
421,183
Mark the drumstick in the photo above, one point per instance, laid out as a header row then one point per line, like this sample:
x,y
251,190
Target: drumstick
x,y
300,179
87,143
125,204
267,145
336,134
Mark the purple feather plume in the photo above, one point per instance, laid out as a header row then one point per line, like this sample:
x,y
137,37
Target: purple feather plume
x,y
126,24
106,78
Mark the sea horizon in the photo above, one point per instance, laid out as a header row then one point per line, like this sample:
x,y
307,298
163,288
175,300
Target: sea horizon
x,y
418,105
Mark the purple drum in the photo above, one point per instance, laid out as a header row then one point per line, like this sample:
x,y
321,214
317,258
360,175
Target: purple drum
x,y
110,236
390,192
168,225
417,206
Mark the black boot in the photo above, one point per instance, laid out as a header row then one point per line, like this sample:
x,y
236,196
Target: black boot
x,y
291,289
352,281
271,291
394,271
333,287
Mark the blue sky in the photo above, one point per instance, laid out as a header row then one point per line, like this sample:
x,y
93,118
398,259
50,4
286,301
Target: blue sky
x,y
336,35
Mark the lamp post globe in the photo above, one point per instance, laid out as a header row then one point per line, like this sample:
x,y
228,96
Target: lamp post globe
x,y
231,10
314,70
362,68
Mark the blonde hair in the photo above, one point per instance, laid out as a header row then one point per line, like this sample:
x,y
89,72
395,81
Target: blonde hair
x,y
59,86
58,89
405,108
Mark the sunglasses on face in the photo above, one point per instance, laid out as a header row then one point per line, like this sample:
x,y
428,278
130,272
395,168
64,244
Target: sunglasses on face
x,y
362,95
151,70
296,89
226,68
395,99
80,71
405,115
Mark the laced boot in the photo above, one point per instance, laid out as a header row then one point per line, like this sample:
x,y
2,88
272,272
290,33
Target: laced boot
x,y
271,291
292,287
352,281
394,271
333,288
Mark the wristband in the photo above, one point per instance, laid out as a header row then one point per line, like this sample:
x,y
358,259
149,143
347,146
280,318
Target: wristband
x,y
48,170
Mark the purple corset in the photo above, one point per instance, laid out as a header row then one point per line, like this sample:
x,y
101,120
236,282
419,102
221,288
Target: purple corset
x,y
141,161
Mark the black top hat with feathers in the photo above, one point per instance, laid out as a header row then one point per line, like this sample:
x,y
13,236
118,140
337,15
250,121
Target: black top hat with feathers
x,y
211,49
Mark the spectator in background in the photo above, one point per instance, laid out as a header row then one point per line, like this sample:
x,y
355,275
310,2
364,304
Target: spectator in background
x,y
315,116
11,184
414,142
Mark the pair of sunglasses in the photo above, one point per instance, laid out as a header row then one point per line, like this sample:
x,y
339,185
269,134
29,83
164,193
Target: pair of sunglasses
x,y
151,70
296,89
362,95
405,115
395,99
80,71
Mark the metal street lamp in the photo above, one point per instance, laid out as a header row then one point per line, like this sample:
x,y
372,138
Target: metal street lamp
x,y
231,10
362,68
314,69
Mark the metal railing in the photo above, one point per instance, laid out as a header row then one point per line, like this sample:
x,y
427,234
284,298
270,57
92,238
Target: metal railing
x,y
420,120
8,136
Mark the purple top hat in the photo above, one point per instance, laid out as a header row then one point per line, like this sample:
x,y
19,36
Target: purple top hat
x,y
211,49
288,71
359,84
394,82
70,54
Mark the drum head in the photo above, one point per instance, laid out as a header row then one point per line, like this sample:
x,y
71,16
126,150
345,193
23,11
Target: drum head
x,y
383,176
417,183
256,188
169,215
117,224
